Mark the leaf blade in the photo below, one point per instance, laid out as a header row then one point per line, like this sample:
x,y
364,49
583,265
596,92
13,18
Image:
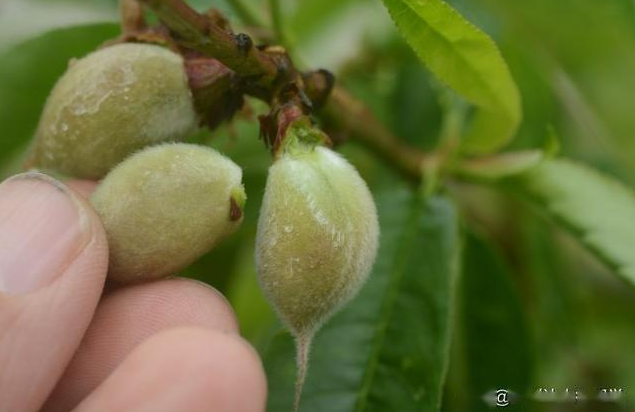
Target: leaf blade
x,y
597,209
494,326
467,60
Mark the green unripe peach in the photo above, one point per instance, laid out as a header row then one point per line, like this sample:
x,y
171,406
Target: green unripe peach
x,y
111,103
317,236
166,206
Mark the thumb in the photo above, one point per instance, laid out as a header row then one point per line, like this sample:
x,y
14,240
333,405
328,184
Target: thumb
x,y
53,262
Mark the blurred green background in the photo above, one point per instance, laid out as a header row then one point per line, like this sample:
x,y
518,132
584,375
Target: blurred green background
x,y
574,61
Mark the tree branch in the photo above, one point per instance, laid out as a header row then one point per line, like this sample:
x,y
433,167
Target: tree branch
x,y
270,73
196,31
352,118
247,13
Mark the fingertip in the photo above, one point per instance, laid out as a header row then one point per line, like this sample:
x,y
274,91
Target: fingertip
x,y
84,188
189,369
128,316
53,262
44,227
167,303
225,365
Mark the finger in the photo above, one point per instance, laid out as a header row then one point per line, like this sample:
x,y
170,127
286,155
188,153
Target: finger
x,y
53,261
184,370
128,316
84,187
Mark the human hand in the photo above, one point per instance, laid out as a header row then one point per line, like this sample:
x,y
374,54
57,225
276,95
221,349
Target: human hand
x,y
170,345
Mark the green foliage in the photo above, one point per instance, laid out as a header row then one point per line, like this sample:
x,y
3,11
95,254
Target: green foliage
x,y
311,16
597,209
467,60
503,165
29,71
499,166
388,349
494,328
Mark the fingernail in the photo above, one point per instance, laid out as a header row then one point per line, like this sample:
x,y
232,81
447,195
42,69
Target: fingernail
x,y
42,229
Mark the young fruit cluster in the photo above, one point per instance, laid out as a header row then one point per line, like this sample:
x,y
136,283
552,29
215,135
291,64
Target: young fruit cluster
x,y
162,205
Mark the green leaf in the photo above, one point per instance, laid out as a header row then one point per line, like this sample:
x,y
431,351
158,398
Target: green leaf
x,y
312,16
503,165
467,59
494,167
596,208
550,281
388,349
28,72
494,333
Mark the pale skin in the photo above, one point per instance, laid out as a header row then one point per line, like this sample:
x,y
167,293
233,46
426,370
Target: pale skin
x,y
66,344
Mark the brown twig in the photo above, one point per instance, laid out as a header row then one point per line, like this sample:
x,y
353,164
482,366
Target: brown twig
x,y
131,15
196,31
353,119
267,73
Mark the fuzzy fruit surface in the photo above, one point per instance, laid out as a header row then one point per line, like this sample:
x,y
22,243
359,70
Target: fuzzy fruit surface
x,y
109,104
317,236
165,206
